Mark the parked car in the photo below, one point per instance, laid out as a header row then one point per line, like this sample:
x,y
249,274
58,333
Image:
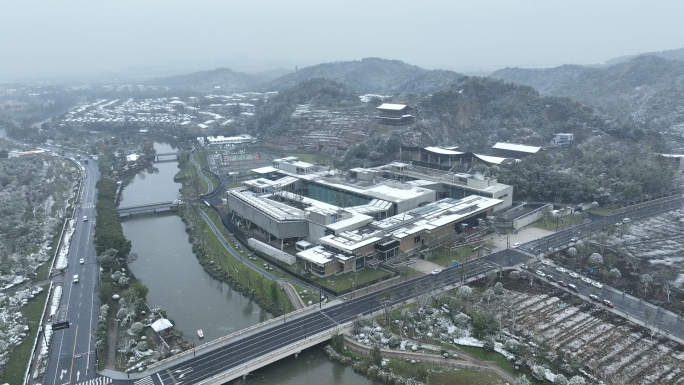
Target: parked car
x,y
560,269
608,303
573,287
586,280
524,266
81,261
546,262
626,220
539,273
515,245
561,283
436,271
574,275
574,239
550,278
598,285
595,297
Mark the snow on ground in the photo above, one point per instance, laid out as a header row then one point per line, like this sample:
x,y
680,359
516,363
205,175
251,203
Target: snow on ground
x,y
658,240
62,257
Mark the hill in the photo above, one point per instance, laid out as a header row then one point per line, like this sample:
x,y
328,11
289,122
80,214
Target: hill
x,y
646,90
371,76
223,79
673,54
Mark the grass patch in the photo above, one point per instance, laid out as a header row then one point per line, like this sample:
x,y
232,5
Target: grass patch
x,y
494,357
442,374
552,225
600,211
343,282
309,158
446,260
19,358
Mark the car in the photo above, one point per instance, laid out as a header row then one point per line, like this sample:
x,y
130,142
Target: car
x,y
560,270
524,266
561,283
598,285
515,245
586,280
608,303
85,218
626,220
436,271
594,297
574,239
574,275
76,278
81,261
550,278
573,287
546,262
539,273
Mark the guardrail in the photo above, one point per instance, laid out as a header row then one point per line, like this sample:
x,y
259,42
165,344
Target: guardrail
x,y
224,377
229,336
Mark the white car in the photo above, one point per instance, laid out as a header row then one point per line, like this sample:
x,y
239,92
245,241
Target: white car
x,y
546,262
82,261
560,269
574,275
436,271
539,273
598,285
586,280
515,245
626,220
574,239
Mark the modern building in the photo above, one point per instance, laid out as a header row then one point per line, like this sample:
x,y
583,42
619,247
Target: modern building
x,y
517,151
394,114
231,140
562,139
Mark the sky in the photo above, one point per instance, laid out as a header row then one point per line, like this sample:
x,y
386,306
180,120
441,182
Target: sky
x,y
150,37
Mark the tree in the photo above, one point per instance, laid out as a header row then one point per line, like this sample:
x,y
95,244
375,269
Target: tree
x,y
487,295
615,273
108,259
498,288
571,251
375,356
515,274
646,281
464,292
489,344
560,380
337,343
595,260
577,380
274,291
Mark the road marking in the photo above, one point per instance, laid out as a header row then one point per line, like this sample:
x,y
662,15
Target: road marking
x,y
73,353
145,381
97,381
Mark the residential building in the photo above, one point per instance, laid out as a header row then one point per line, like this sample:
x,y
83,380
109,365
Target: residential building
x,y
394,114
561,139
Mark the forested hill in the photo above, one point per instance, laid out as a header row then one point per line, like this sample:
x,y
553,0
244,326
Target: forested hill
x,y
371,75
646,90
673,54
226,79
477,112
274,117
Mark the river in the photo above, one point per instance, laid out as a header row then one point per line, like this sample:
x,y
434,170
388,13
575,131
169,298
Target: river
x,y
192,299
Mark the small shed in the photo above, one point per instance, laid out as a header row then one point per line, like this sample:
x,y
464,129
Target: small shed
x,y
303,245
162,326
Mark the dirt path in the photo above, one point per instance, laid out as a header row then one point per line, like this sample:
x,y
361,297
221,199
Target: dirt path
x,y
111,345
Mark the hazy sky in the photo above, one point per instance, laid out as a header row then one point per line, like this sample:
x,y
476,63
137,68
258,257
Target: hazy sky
x,y
45,38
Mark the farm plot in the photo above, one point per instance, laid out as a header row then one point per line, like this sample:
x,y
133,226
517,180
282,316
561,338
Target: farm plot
x,y
657,242
567,331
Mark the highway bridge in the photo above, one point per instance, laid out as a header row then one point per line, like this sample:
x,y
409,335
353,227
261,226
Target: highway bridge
x,y
147,208
243,352
172,157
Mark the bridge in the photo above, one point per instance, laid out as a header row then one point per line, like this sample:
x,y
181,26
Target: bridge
x,y
146,208
243,352
164,154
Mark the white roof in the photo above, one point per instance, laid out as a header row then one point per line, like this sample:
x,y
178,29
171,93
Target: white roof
x,y
391,106
490,159
357,220
439,150
161,324
516,147
304,243
264,170
673,155
320,256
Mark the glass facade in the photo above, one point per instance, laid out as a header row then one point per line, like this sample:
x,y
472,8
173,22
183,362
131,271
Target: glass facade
x,y
334,197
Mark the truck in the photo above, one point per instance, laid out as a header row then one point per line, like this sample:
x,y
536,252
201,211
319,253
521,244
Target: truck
x,y
85,161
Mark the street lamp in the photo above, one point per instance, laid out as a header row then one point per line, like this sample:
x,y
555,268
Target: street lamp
x,y
193,345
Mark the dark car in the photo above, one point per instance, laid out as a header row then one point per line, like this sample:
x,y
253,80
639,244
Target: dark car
x,y
561,283
608,303
594,297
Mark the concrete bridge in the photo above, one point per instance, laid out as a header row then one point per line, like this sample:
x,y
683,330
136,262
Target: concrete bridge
x,y
243,352
157,207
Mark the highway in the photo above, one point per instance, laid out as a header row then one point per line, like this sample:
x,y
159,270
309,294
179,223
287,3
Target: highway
x,y
72,357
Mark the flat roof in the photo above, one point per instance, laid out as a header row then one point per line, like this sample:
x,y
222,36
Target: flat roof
x,y
352,240
265,170
356,219
672,155
391,106
320,255
516,147
388,191
443,151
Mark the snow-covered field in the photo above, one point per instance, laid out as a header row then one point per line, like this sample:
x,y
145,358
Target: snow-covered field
x,y
658,240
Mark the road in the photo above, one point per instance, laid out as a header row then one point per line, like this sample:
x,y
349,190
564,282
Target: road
x,y
234,354
72,357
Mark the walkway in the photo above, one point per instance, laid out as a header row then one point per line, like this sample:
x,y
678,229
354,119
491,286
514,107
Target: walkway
x,y
210,185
